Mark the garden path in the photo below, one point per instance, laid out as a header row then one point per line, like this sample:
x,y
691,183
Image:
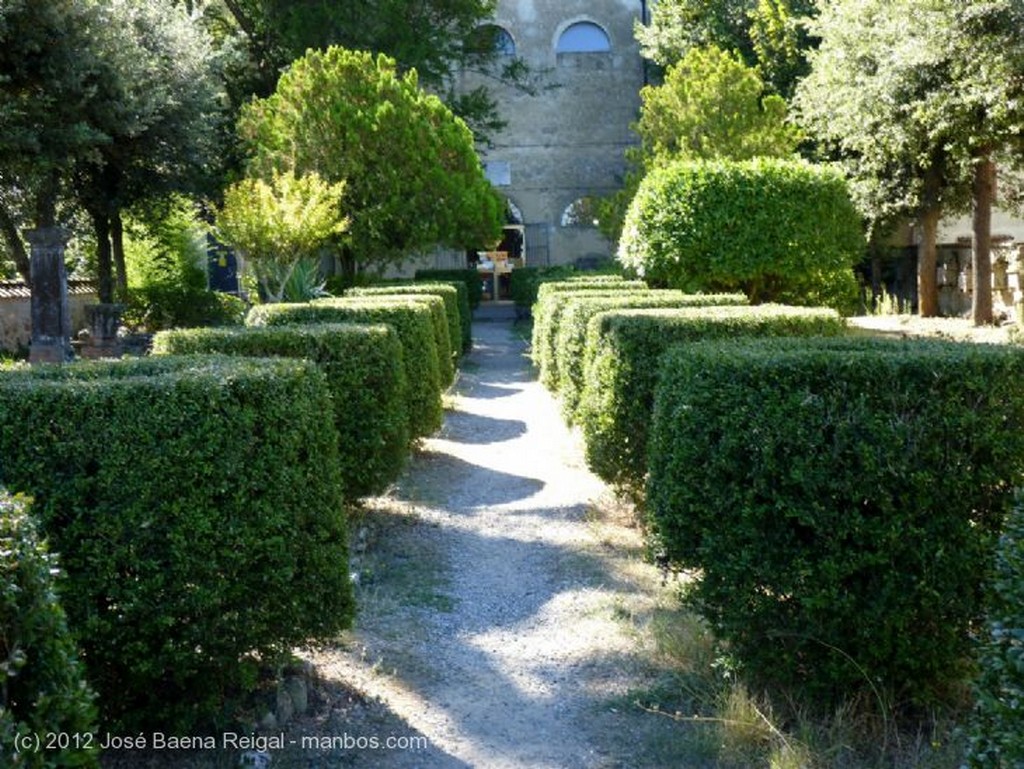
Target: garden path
x,y
505,607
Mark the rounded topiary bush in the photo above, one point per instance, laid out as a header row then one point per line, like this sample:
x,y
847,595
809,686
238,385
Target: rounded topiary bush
x,y
42,687
778,230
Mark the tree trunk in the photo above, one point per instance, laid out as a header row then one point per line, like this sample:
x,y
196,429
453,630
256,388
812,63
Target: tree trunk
x,y
104,267
927,263
117,252
15,245
981,263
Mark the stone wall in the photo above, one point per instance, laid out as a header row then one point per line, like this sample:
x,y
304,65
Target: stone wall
x,y
16,312
567,141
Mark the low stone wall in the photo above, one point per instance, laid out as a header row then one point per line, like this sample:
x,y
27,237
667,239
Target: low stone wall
x,y
956,286
16,311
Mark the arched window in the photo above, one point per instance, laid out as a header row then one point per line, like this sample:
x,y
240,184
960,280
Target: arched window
x,y
491,38
583,37
580,213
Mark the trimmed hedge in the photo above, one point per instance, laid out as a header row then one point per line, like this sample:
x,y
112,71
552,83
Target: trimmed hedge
x,y
550,302
571,339
196,504
364,369
624,351
42,686
447,292
842,500
415,327
469,278
997,724
524,282
465,310
779,230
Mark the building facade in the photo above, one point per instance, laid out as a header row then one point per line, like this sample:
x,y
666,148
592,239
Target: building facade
x,y
565,141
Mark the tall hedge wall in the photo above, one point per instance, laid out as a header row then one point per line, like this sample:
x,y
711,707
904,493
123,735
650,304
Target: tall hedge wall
x,y
415,327
625,349
842,500
571,335
196,505
779,230
42,685
364,369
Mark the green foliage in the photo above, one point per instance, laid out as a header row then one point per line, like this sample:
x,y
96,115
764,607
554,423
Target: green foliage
x,y
623,353
165,244
551,299
197,507
449,294
413,178
840,500
471,278
578,309
997,726
364,370
162,306
781,231
42,688
525,282
280,224
415,327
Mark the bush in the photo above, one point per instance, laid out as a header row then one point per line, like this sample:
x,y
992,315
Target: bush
x,y
465,311
415,327
470,277
780,231
551,298
196,504
841,500
161,306
364,369
42,688
997,725
571,337
624,349
447,292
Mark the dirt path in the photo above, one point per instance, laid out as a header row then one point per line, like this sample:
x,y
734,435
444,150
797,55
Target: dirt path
x,y
504,607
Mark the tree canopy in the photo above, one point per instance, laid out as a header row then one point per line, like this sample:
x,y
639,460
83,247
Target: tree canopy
x,y
413,179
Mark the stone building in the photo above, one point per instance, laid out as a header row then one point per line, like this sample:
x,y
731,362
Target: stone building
x,y
564,143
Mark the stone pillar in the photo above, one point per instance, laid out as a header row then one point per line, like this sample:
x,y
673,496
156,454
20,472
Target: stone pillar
x,y
102,341
51,317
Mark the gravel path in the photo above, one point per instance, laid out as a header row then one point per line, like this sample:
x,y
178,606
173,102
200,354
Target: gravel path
x,y
501,621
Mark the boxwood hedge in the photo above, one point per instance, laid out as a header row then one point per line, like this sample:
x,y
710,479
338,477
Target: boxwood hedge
x,y
42,685
841,500
447,292
547,311
470,278
415,327
624,351
364,369
196,505
571,338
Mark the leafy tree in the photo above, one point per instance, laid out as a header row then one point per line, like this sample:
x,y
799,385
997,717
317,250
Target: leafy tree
x,y
413,178
711,106
917,111
280,225
770,34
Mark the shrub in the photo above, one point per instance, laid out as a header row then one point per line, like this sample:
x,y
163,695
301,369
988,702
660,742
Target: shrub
x,y
997,725
624,350
364,369
447,292
779,230
414,324
841,499
465,311
551,298
571,339
196,504
438,326
42,688
471,279
159,306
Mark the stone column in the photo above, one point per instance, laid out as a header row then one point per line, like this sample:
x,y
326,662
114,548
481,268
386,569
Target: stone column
x,y
51,317
103,342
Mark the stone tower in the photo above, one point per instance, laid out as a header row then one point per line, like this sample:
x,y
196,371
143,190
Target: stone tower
x,y
566,142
